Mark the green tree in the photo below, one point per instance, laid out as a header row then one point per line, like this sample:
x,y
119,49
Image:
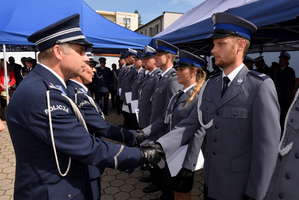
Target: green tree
x,y
139,18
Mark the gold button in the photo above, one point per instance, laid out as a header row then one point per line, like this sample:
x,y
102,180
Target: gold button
x,y
69,196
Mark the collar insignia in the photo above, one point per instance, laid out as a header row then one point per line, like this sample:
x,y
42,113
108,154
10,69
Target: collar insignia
x,y
61,89
239,80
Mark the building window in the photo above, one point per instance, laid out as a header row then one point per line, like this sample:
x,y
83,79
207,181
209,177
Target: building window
x,y
145,32
127,22
157,28
141,32
150,32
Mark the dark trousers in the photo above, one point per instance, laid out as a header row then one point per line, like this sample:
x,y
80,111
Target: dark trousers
x,y
99,96
118,104
113,98
159,180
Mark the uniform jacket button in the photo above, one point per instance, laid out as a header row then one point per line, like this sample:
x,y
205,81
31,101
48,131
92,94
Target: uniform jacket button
x,y
215,139
69,196
297,155
291,120
280,195
287,176
216,126
214,152
217,112
235,114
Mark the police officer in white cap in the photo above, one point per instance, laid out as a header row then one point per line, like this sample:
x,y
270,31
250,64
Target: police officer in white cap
x,y
52,145
239,111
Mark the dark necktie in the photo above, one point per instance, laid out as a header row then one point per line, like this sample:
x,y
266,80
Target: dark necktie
x,y
225,85
160,77
174,100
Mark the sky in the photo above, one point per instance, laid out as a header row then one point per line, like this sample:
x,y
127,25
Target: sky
x,y
148,9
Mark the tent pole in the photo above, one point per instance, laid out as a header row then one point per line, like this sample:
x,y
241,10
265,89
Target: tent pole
x,y
5,74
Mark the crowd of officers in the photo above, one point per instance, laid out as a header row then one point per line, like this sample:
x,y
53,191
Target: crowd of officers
x,y
135,65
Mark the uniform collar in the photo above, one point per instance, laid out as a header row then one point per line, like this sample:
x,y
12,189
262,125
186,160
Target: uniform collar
x,y
188,88
233,74
82,85
140,70
150,73
54,73
166,71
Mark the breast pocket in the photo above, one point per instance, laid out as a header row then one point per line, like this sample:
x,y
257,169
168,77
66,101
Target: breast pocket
x,y
235,118
208,108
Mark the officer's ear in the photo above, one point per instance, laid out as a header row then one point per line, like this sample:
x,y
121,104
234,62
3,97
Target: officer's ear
x,y
241,45
57,51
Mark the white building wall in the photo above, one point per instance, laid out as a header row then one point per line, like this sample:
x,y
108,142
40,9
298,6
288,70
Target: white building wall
x,y
124,19
169,18
127,19
159,24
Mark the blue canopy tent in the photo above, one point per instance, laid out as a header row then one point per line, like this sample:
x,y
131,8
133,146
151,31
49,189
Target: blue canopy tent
x,y
276,20
20,18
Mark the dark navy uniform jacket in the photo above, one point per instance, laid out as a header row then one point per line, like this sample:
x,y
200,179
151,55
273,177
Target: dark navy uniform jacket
x,y
37,175
103,79
95,122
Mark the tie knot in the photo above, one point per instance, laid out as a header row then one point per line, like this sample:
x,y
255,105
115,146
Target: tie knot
x,y
225,85
226,80
180,93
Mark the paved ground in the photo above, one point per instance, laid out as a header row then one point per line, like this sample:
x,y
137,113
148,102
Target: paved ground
x,y
116,185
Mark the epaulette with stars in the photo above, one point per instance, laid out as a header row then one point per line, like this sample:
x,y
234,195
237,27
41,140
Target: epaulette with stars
x,y
259,74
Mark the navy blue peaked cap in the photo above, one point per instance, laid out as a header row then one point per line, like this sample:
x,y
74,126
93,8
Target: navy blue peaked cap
x,y
123,55
66,30
248,59
102,59
226,24
165,47
188,59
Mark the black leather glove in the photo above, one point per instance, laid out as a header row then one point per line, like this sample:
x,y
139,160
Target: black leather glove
x,y
151,155
140,137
